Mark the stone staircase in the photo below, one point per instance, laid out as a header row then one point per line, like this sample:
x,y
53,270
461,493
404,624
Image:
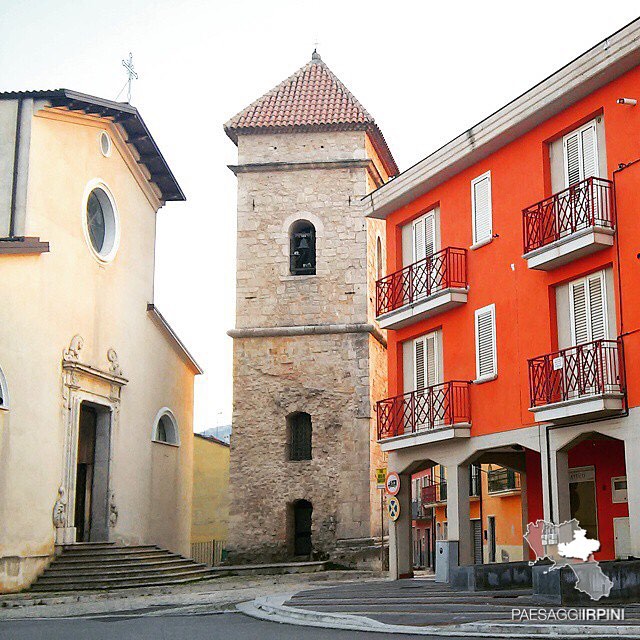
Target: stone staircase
x,y
104,565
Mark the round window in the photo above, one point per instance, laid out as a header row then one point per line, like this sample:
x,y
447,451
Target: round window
x,y
101,223
105,144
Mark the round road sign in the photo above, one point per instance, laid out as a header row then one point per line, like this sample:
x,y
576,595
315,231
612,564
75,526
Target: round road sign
x,y
393,507
393,483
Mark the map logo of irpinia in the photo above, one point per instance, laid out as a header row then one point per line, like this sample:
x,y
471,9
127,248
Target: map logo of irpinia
x,y
567,545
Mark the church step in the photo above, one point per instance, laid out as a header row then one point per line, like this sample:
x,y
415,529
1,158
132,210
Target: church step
x,y
115,554
77,550
123,559
86,566
130,572
121,583
88,545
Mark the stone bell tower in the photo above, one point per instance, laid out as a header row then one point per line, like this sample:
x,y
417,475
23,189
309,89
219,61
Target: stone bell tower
x,y
309,360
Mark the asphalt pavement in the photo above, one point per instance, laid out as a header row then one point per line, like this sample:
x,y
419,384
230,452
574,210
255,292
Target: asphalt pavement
x,y
158,625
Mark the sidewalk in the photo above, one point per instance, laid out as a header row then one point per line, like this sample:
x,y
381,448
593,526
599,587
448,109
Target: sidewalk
x,y
423,607
219,594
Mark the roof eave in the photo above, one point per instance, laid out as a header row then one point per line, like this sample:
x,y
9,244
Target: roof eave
x,y
122,113
601,64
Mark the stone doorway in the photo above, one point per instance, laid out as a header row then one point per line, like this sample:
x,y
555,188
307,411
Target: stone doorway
x,y
91,508
302,511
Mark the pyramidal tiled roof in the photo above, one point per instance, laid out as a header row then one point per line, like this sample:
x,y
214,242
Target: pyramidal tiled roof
x,y
312,99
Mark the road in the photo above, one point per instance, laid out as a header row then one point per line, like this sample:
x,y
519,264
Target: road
x,y
154,625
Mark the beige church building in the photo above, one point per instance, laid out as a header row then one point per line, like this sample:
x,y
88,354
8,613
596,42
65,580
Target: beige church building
x,y
96,390
309,358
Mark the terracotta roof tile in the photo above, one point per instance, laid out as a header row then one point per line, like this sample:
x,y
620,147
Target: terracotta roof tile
x,y
312,99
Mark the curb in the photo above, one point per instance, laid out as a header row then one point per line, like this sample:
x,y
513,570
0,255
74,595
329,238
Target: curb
x,y
272,608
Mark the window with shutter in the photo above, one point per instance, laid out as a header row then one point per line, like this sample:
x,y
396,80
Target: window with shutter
x,y
481,208
424,237
580,154
587,306
426,361
486,357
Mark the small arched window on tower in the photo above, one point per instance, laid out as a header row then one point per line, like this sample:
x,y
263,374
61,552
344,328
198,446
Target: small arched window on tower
x,y
299,432
302,247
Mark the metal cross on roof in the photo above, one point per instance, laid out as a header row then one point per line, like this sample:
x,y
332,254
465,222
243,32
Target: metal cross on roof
x,y
131,75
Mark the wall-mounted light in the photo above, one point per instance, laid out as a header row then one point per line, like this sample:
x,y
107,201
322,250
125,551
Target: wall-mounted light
x,y
631,102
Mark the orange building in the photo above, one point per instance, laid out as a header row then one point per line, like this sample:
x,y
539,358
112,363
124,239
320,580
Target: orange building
x,y
513,311
495,512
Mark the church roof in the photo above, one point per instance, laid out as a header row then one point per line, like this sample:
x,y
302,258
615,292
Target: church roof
x,y
123,114
312,99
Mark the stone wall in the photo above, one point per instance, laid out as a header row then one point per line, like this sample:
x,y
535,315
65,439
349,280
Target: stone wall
x,y
327,377
335,377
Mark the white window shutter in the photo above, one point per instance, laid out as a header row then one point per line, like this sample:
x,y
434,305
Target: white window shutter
x,y
424,237
486,361
597,312
572,159
589,146
481,208
418,347
579,322
430,235
581,154
431,360
419,252
588,309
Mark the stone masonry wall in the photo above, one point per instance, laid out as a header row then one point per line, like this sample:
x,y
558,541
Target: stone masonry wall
x,y
326,376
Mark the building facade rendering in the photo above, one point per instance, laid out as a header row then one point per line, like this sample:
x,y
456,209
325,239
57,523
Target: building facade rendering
x,y
512,311
210,503
96,391
309,358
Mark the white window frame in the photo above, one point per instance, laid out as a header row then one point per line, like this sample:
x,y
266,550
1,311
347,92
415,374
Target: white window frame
x,y
4,387
585,283
165,411
589,125
112,232
480,242
494,374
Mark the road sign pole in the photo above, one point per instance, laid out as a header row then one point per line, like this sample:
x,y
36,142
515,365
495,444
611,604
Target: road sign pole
x,y
381,529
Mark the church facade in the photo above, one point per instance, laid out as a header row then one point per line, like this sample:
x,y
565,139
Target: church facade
x,y
96,390
309,358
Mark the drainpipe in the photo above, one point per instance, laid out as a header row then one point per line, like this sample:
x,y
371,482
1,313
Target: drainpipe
x,y
14,183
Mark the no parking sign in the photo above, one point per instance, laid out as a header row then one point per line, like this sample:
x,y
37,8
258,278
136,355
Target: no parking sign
x,y
393,483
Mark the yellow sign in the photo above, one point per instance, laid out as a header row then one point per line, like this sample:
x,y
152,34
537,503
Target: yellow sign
x,y
394,508
381,477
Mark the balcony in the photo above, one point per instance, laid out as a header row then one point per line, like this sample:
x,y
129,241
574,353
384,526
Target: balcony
x,y
423,289
434,493
502,481
427,415
573,223
578,383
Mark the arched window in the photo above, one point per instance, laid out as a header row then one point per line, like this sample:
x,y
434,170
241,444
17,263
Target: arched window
x,y
165,429
379,267
299,436
4,392
302,248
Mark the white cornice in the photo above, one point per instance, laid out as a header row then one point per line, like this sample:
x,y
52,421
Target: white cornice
x,y
597,67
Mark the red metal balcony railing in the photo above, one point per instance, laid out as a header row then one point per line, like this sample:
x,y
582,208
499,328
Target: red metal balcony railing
x,y
587,370
586,204
446,269
434,491
441,405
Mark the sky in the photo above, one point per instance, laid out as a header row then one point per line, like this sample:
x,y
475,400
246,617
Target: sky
x,y
426,71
